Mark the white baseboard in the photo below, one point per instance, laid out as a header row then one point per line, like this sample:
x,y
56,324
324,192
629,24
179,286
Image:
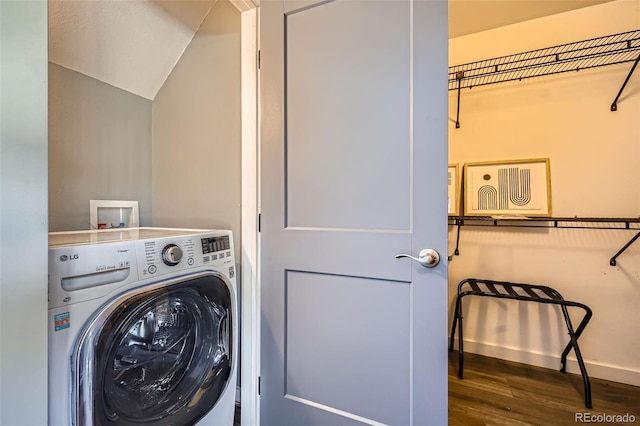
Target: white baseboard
x,y
594,369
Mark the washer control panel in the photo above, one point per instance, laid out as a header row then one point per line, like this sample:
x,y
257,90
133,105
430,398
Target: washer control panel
x,y
217,250
171,254
80,271
167,255
162,255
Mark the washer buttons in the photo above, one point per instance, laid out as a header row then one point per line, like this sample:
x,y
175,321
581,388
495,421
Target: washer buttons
x,y
152,269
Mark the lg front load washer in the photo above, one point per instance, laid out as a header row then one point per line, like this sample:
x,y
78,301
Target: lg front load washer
x,y
142,327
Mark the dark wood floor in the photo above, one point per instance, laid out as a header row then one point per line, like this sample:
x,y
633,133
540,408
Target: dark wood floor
x,y
503,393
236,420
496,392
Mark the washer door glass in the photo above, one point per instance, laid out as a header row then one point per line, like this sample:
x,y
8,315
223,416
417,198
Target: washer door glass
x,y
164,356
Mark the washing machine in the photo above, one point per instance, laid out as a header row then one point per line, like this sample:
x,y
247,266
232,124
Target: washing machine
x,y
142,327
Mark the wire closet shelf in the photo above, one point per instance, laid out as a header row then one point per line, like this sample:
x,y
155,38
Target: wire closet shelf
x,y
576,56
610,223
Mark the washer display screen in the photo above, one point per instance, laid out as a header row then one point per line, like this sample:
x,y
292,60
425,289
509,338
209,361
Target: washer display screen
x,y
214,244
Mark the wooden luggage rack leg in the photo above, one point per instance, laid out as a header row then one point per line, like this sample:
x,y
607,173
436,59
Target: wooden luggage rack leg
x,y
528,293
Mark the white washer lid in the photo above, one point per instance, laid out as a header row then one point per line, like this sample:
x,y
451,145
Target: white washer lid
x,y
99,236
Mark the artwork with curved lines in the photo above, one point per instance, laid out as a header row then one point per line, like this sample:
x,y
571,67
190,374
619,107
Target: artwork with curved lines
x,y
487,198
508,188
519,186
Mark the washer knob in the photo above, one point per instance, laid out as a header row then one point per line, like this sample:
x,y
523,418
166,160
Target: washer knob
x,y
171,254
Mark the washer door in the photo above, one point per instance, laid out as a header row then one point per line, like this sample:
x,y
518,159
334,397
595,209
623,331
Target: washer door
x,y
160,356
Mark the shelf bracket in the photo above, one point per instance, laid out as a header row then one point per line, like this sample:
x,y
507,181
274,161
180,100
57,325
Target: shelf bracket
x,y
456,252
459,77
614,105
612,262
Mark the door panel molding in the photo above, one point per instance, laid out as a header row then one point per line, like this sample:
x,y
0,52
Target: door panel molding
x,y
335,411
343,358
373,89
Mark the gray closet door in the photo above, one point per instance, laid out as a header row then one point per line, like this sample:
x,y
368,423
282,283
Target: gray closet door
x,y
353,172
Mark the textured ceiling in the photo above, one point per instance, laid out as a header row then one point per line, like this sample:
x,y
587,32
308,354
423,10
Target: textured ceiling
x,y
130,44
134,44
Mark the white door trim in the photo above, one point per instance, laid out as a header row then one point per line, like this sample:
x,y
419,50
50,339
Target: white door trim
x,y
250,294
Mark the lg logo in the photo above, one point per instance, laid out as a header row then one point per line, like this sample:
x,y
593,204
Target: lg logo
x,y
64,257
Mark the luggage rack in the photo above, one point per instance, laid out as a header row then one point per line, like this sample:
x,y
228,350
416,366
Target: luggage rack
x,y
527,293
580,55
551,222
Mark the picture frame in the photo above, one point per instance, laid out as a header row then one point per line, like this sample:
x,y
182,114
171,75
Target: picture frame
x,y
108,214
453,181
517,188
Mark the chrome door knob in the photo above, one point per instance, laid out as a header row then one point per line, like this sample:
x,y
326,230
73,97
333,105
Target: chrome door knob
x,y
427,257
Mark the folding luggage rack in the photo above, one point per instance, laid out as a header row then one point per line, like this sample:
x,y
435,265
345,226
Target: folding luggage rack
x,y
527,293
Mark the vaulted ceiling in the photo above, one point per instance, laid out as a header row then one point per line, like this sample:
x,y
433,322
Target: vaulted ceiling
x,y
134,44
130,44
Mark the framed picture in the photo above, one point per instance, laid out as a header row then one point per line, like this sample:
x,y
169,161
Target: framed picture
x,y
508,188
106,214
453,190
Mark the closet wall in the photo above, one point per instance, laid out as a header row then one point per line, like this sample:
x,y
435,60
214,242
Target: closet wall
x,y
594,155
196,131
99,148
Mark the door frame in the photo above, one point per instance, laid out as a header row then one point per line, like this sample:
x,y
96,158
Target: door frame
x,y
250,167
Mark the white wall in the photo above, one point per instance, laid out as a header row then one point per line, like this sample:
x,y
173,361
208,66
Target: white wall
x,y
594,156
99,148
196,167
23,213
